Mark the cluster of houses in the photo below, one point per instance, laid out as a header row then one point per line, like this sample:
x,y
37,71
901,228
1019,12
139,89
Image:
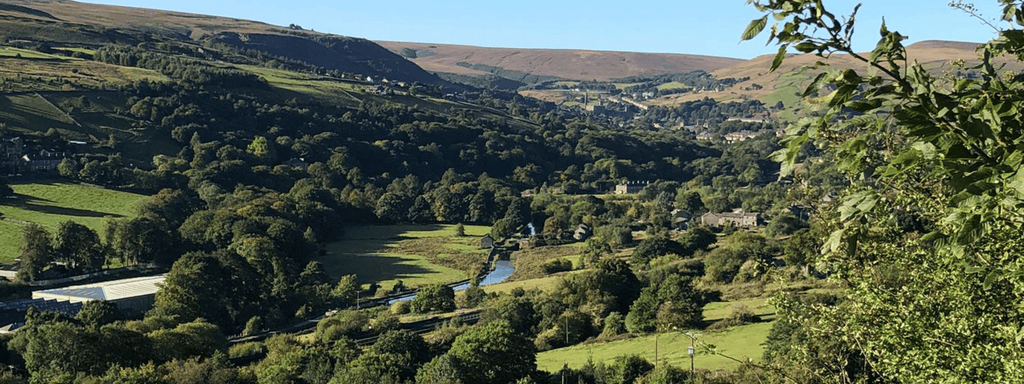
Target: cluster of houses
x,y
738,219
735,137
15,159
682,219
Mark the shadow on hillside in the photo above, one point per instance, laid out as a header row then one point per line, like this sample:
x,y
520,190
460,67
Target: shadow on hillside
x,y
65,211
26,199
370,268
30,178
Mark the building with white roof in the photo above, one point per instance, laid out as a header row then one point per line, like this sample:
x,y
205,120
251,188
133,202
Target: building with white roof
x,y
132,296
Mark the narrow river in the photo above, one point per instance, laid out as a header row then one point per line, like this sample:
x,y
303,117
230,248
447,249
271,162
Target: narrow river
x,y
502,270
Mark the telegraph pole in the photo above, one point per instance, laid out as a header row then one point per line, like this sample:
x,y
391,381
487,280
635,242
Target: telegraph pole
x,y
566,344
656,351
690,351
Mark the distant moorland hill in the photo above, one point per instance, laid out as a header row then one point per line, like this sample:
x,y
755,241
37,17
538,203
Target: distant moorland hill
x,y
782,84
62,22
531,66
563,63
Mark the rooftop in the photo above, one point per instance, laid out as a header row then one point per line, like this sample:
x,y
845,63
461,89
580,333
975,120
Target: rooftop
x,y
110,290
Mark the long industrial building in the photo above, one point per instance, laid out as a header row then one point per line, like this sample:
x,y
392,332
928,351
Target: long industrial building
x,y
133,296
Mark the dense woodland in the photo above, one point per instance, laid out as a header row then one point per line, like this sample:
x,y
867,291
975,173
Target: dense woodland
x,y
260,184
920,241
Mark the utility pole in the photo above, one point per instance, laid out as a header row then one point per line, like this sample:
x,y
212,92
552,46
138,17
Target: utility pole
x,y
656,351
567,331
566,344
692,338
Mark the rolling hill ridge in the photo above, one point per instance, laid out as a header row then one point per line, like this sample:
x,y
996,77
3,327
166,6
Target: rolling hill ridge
x,y
61,22
561,63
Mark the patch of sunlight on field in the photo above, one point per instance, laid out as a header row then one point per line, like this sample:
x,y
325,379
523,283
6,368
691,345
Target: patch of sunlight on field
x,y
388,253
739,342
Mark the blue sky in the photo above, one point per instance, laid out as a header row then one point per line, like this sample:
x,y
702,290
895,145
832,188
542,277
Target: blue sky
x,y
708,27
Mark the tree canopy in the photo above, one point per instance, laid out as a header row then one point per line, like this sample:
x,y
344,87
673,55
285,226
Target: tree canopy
x,y
936,301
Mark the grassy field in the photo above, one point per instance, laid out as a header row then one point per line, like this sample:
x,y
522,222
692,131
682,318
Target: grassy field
x,y
56,73
740,342
32,112
319,86
720,310
416,254
529,262
544,284
25,53
86,51
672,85
49,204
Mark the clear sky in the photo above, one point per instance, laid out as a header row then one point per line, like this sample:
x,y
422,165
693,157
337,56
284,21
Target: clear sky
x,y
706,27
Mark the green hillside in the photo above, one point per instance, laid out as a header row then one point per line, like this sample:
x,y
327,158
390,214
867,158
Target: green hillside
x,y
52,202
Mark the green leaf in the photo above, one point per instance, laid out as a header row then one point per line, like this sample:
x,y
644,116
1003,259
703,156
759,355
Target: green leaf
x,y
754,28
974,269
806,47
934,236
1015,159
1017,181
778,58
992,278
1008,12
834,243
787,156
927,149
815,84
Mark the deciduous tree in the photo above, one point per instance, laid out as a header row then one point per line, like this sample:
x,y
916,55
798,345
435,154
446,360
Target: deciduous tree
x,y
77,246
437,297
493,353
36,252
919,308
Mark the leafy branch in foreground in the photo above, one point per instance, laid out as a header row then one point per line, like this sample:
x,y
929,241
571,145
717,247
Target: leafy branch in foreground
x,y
964,132
927,238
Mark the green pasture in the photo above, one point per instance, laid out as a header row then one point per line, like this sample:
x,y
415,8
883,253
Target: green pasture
x,y
140,74
33,113
546,284
672,85
25,53
529,262
316,86
50,203
86,51
720,310
36,113
741,342
418,255
787,94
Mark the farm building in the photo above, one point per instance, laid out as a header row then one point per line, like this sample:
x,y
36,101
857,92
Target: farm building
x,y
681,219
630,187
133,296
487,241
11,151
737,219
582,233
